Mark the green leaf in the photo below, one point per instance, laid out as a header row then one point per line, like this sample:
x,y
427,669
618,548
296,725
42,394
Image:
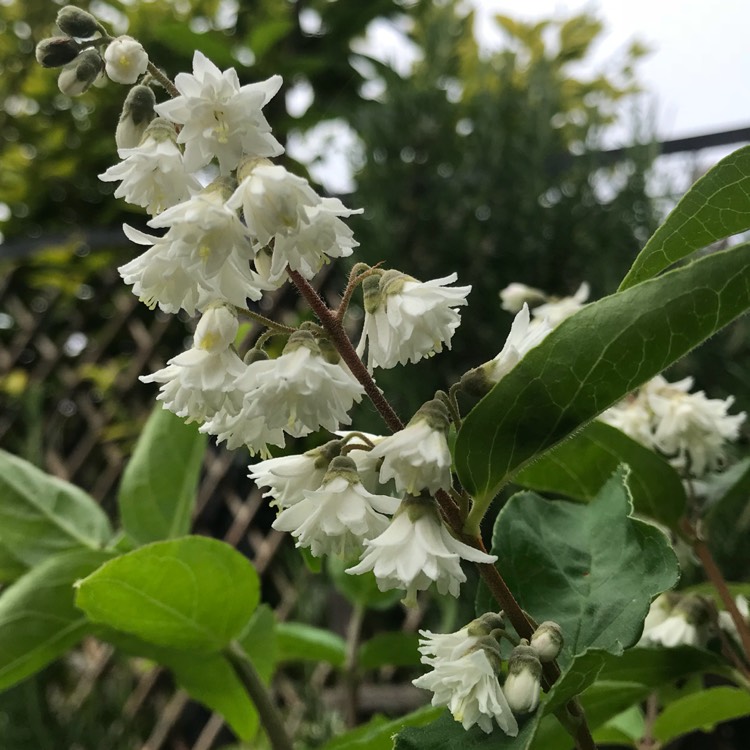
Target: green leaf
x,y
300,642
592,360
193,593
11,567
38,620
377,734
448,734
184,41
716,206
259,642
362,589
396,649
558,558
703,710
578,468
624,729
160,482
41,515
264,35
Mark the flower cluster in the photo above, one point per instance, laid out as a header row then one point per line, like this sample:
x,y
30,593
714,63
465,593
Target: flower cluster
x,y
467,668
689,428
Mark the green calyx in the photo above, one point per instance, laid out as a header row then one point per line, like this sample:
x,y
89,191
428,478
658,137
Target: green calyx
x,y
326,453
342,466
302,339
223,186
485,624
417,506
76,22
435,413
524,658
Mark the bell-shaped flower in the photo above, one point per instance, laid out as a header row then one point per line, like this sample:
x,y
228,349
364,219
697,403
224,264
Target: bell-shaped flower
x,y
688,623
406,319
219,117
466,682
547,641
287,477
125,60
300,391
557,310
436,647
152,174
418,457
522,685
516,295
339,516
195,383
417,550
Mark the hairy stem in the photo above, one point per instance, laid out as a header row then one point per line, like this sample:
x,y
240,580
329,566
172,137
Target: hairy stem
x,y
250,679
163,79
272,325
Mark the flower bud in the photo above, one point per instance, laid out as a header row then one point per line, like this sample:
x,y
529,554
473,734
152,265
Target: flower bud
x,y
77,22
56,51
77,76
137,113
216,329
547,641
522,685
126,60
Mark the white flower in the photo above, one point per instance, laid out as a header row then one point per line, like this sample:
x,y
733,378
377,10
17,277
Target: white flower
x,y
469,687
287,477
137,113
305,228
686,624
219,117
152,174
417,550
522,338
125,60
516,295
406,320
437,647
726,621
338,517
522,685
547,641
195,383
300,391
418,457
632,417
555,311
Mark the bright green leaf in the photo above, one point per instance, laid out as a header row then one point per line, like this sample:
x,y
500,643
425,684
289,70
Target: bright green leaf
x,y
716,206
625,729
193,593
41,515
258,641
38,620
580,466
395,649
702,711
11,567
592,360
160,482
557,558
300,642
362,589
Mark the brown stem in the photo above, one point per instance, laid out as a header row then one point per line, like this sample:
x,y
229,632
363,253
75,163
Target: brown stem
x,y
341,341
356,277
351,667
163,79
717,579
647,742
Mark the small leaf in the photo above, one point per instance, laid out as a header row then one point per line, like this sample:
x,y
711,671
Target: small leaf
x,y
579,467
394,649
716,206
41,515
38,620
626,728
593,359
300,642
193,593
160,482
558,559
703,710
259,642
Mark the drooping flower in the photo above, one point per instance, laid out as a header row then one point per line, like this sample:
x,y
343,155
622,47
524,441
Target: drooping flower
x,y
339,516
125,59
557,310
632,417
522,685
466,682
516,295
688,623
417,550
219,117
418,457
152,174
406,319
547,641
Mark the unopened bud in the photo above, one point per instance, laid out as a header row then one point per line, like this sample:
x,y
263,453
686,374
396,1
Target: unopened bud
x,y
522,686
78,75
137,113
77,22
547,641
56,51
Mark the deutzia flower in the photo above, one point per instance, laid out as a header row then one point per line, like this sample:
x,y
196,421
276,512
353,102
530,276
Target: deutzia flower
x,y
406,320
522,685
305,228
687,624
557,310
339,516
547,641
417,550
632,417
287,477
125,60
466,682
219,117
418,457
435,647
516,295
152,174
195,383
301,391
